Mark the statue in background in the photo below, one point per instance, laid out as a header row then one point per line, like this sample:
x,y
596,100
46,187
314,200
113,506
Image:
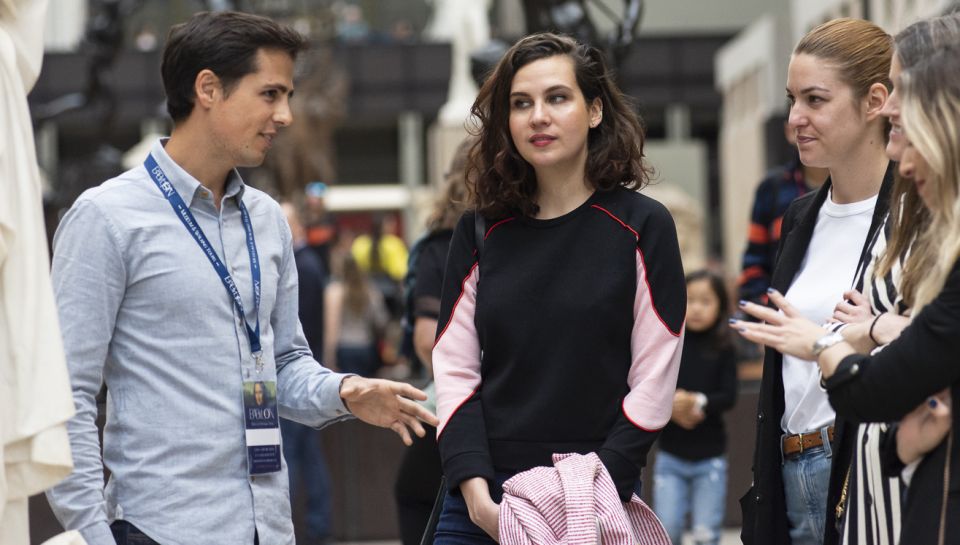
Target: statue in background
x,y
464,24
571,17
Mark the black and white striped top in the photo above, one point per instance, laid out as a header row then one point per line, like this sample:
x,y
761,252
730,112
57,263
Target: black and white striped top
x,y
872,512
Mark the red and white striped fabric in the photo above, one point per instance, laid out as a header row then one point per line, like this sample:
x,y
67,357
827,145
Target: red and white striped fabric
x,y
574,503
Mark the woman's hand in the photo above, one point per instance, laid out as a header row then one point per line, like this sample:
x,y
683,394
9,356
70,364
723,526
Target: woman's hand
x,y
786,332
484,512
854,308
924,428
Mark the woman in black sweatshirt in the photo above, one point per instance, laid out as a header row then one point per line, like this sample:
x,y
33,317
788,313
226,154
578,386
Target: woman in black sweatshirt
x,y
561,317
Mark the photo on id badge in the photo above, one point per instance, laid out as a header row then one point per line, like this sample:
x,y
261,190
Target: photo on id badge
x,y
262,426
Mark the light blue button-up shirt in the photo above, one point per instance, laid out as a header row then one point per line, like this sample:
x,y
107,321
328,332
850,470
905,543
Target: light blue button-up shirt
x,y
142,310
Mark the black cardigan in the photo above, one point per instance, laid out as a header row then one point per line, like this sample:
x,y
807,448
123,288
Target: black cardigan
x,y
918,364
764,505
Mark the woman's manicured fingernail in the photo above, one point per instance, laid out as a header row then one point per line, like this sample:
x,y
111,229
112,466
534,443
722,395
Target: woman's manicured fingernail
x,y
742,303
932,402
732,321
771,290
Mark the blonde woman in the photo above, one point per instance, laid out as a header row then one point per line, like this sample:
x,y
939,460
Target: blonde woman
x,y
354,316
865,503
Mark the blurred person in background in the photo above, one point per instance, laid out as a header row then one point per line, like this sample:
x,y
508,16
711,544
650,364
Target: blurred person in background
x,y
418,478
690,471
302,447
355,317
383,256
319,228
779,187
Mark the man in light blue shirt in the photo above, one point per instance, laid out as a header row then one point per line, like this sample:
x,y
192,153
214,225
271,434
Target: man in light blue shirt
x,y
176,287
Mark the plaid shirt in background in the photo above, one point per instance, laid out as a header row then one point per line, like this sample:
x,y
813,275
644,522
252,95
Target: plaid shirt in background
x,y
778,189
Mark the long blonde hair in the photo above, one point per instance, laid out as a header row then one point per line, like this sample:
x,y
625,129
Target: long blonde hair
x,y
908,215
356,287
930,112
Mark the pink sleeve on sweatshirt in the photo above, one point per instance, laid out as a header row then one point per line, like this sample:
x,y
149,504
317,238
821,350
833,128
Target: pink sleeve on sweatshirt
x,y
655,351
456,354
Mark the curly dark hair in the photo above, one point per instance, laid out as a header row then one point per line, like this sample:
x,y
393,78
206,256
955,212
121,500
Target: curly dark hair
x,y
501,181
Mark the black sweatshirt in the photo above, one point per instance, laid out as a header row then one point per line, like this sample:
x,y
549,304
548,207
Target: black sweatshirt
x,y
564,337
712,372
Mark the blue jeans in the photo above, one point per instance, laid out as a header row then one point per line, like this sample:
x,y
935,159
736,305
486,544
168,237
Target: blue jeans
x,y
455,526
806,478
698,487
308,473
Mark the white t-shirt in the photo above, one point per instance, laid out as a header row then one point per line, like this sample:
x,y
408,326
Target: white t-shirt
x,y
827,271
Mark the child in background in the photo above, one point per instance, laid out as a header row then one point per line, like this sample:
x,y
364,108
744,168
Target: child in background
x,y
690,472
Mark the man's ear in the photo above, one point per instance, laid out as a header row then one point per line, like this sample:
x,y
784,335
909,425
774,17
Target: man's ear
x,y
207,88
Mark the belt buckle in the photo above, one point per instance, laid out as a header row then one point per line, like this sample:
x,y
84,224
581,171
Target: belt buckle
x,y
800,437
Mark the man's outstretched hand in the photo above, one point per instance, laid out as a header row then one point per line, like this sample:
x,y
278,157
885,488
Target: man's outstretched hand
x,y
387,404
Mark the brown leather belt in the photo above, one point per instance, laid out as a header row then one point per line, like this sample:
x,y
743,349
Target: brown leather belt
x,y
796,444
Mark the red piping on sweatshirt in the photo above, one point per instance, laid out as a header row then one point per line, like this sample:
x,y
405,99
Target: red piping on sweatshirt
x,y
643,261
495,225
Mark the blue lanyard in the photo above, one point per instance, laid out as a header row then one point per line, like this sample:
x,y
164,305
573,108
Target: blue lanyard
x,y
186,217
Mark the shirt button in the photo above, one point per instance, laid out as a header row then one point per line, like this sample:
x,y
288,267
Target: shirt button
x,y
855,369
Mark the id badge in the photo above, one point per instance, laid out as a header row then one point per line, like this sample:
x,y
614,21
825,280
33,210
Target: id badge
x,y
262,423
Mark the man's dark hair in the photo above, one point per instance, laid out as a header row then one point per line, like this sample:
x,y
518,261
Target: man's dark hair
x,y
224,42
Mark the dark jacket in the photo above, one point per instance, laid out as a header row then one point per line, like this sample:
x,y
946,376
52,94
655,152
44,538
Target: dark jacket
x,y
886,386
764,506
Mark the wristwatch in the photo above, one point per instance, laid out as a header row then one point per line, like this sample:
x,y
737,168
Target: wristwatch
x,y
826,342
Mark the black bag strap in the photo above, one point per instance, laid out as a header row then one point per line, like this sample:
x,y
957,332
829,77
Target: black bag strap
x,y
479,232
431,528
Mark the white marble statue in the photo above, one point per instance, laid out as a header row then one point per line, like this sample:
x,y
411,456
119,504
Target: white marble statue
x,y
463,23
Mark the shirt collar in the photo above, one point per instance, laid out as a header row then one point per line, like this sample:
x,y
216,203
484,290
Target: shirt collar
x,y
186,185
